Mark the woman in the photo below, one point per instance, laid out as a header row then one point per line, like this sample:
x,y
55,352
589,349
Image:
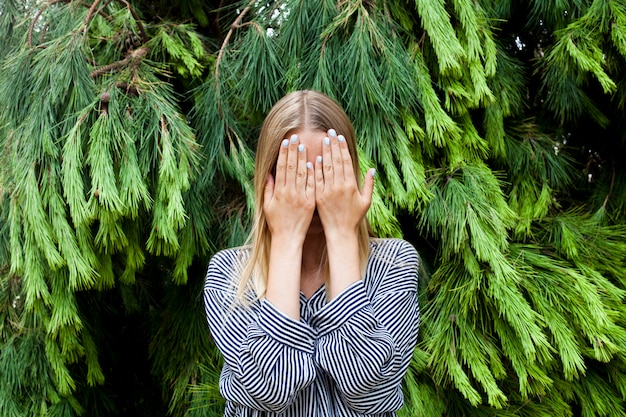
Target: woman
x,y
314,317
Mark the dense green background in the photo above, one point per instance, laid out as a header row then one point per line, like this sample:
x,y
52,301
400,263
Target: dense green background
x,y
127,136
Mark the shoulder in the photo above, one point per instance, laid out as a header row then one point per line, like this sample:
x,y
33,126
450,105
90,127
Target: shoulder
x,y
392,266
230,256
225,267
393,250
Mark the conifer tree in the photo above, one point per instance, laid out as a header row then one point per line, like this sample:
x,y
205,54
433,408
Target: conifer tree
x,y
127,136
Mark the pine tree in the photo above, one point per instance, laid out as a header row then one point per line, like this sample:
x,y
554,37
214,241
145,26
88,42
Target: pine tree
x,y
127,136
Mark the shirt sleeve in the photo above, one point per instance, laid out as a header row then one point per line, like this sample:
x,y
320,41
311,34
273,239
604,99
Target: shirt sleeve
x,y
267,355
366,342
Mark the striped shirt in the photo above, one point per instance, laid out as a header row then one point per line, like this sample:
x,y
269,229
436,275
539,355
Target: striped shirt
x,y
346,357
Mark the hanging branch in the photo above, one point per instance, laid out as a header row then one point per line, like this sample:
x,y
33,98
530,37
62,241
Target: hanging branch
x,y
606,199
36,18
142,30
235,25
101,11
43,33
218,15
133,58
50,3
90,13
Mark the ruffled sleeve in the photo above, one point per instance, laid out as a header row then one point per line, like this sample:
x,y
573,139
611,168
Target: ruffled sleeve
x,y
268,356
366,339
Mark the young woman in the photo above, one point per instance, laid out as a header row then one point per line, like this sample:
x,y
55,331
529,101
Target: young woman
x,y
314,317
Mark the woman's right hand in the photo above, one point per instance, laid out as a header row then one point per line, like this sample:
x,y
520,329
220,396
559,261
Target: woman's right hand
x,y
289,200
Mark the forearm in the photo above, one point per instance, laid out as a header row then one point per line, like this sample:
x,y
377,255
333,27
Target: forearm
x,y
343,260
359,353
258,345
283,281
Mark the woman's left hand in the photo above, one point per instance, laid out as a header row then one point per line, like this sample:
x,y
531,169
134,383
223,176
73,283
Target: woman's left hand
x,y
340,203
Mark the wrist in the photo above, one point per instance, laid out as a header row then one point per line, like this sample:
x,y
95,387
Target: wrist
x,y
286,242
283,280
341,238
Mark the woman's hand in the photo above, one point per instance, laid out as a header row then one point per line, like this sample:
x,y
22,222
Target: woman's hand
x,y
340,203
289,200
341,206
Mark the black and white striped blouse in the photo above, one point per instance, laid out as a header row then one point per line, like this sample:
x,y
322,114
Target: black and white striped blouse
x,y
346,357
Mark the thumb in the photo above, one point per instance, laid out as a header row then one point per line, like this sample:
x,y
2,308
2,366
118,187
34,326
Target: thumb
x,y
368,187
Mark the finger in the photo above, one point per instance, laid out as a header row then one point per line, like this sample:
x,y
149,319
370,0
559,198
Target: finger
x,y
346,160
319,175
301,170
310,180
292,161
281,163
327,162
368,187
337,159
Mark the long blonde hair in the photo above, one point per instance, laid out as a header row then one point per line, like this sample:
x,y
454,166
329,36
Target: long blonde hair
x,y
306,109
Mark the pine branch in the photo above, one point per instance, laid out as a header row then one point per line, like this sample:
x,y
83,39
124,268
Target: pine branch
x,y
36,18
50,3
235,25
142,33
90,14
142,30
43,33
133,57
218,15
608,195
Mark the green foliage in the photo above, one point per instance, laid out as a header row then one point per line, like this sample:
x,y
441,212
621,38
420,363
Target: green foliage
x,y
127,136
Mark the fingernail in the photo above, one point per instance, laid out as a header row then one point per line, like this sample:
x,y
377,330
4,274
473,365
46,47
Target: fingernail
x,y
285,143
326,141
300,148
332,132
294,138
319,159
340,138
309,165
373,171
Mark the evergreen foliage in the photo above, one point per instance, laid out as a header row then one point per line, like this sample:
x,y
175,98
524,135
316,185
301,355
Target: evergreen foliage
x,y
127,136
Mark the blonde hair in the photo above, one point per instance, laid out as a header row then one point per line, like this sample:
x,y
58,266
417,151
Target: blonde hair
x,y
299,110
